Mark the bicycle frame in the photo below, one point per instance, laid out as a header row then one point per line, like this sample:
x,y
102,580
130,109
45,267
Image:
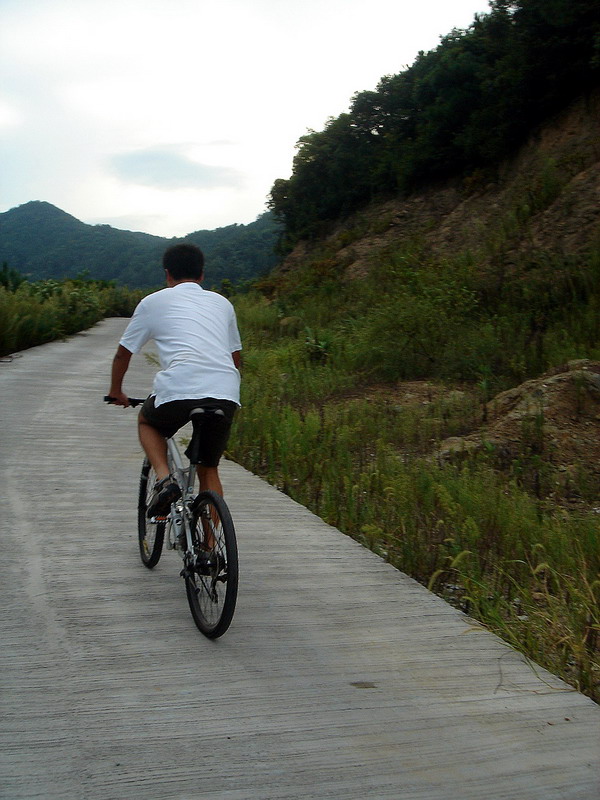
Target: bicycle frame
x,y
178,519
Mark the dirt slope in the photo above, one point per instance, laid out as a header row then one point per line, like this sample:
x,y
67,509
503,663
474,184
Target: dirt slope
x,y
553,184
556,416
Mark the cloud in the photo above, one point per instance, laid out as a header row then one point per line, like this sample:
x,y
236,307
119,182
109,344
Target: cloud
x,y
9,116
137,110
168,168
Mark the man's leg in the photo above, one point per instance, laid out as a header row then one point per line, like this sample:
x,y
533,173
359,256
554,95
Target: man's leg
x,y
213,440
165,491
155,447
209,479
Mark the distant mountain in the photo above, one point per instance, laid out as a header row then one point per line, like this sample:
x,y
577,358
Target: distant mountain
x,y
41,241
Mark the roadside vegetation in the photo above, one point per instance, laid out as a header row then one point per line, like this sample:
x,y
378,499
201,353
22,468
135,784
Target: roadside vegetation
x,y
324,420
33,313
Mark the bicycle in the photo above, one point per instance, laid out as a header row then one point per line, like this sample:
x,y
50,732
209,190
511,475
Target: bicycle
x,y
198,526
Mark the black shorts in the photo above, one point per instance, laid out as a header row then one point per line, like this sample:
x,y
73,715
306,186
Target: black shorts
x,y
168,418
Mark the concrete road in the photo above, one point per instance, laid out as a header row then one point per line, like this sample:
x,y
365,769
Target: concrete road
x,y
339,678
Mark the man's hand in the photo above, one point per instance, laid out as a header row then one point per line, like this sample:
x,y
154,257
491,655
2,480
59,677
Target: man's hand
x,y
119,399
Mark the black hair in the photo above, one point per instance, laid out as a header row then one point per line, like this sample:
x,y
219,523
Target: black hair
x,y
184,261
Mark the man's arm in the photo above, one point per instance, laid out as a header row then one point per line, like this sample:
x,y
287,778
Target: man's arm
x,y
237,359
119,368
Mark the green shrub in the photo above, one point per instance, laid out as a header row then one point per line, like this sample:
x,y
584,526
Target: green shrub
x,y
35,313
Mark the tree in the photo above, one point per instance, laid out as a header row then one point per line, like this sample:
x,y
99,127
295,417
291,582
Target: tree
x,y
466,104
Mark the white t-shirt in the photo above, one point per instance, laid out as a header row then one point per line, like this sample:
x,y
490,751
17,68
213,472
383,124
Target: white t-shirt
x,y
195,332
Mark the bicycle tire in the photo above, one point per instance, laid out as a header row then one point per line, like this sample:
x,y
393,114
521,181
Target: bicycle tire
x,y
212,590
151,535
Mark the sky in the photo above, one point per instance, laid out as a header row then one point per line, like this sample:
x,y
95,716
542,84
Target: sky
x,y
171,116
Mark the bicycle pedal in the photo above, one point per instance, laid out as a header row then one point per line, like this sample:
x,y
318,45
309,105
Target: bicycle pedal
x,y
157,520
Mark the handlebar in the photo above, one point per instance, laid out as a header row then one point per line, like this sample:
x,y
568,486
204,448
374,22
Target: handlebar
x,y
133,401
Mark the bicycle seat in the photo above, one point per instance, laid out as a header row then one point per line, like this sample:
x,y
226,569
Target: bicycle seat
x,y
205,410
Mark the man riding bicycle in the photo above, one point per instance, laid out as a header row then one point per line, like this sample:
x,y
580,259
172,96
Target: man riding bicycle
x,y
199,348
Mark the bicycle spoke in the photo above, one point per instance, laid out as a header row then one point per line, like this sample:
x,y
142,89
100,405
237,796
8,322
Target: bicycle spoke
x,y
211,572
150,532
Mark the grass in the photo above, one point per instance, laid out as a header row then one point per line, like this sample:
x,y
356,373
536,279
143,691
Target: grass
x,y
315,424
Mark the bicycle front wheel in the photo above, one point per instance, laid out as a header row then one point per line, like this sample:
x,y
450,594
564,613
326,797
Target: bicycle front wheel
x,y
211,571
150,534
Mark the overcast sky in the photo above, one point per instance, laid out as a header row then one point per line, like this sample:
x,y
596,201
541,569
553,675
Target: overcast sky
x,y
170,116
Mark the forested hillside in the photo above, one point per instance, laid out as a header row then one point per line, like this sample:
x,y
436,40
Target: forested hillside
x,y
41,241
459,110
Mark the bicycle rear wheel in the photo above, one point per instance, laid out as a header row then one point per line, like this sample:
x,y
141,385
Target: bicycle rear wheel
x,y
211,572
150,534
